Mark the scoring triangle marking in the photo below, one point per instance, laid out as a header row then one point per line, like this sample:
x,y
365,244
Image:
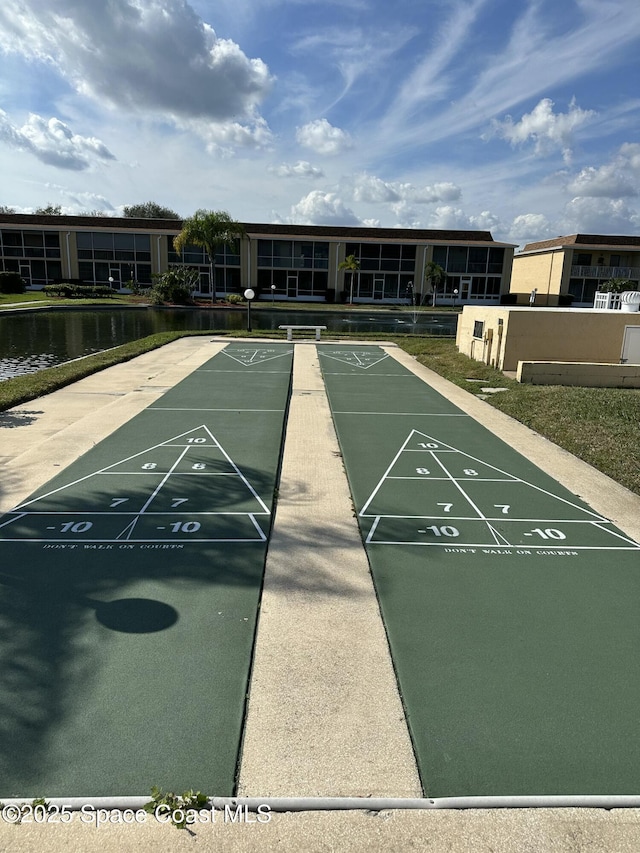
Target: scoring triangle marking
x,y
358,363
252,356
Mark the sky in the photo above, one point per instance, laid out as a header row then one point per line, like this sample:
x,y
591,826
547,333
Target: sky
x,y
520,117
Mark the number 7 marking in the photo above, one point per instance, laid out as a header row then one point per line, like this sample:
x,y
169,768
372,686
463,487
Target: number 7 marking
x,y
447,507
117,501
504,507
177,501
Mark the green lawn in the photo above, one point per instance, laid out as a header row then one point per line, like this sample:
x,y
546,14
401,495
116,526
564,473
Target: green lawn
x,y
17,300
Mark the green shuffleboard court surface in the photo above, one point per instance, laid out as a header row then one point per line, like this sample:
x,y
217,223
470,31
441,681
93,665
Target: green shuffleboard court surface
x,y
129,591
511,607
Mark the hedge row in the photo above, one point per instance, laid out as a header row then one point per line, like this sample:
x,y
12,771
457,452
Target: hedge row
x,y
84,291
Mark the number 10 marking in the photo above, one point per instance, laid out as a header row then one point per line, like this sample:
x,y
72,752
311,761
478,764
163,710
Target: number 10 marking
x,y
185,526
445,530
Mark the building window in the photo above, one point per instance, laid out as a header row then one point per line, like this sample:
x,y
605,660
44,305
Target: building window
x,y
496,261
24,252
477,260
122,257
583,289
293,254
292,282
384,258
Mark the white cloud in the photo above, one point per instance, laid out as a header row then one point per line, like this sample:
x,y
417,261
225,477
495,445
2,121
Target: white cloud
x,y
599,216
607,181
406,215
368,188
154,56
629,156
323,138
448,217
301,169
357,52
547,129
53,142
323,208
529,227
435,74
485,221
83,200
444,191
617,179
373,190
226,137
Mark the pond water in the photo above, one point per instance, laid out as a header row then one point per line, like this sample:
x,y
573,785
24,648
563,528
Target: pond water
x,y
32,340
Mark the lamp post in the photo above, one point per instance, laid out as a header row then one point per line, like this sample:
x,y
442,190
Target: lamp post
x,y
455,296
111,282
249,294
273,292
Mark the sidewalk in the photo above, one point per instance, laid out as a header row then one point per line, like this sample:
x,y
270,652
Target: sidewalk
x,y
324,715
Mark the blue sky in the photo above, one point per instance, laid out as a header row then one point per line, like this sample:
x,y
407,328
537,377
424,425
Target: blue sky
x,y
516,116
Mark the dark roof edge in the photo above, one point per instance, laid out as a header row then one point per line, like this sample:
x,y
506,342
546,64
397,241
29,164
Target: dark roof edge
x,y
327,231
595,241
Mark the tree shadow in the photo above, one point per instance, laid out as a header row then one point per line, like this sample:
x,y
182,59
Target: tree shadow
x,y
18,418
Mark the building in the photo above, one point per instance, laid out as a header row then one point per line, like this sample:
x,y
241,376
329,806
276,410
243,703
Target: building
x,y
569,270
505,336
288,262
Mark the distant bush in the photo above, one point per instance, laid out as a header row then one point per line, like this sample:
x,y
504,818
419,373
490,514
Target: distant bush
x,y
11,282
616,285
175,285
235,298
78,291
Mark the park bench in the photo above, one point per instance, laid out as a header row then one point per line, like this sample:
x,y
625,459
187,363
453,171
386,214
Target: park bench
x,y
291,329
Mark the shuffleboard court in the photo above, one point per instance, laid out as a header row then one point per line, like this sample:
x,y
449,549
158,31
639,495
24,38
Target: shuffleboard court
x,y
130,586
511,606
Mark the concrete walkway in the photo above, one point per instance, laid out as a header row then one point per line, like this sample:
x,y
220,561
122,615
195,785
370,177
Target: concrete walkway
x,y
324,715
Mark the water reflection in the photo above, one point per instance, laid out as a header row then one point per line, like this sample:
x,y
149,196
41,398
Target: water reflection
x,y
30,341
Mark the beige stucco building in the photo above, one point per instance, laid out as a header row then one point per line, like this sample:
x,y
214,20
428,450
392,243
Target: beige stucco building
x,y
568,270
288,262
507,337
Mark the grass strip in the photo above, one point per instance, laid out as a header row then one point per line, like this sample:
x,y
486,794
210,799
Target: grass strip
x,y
16,301
21,389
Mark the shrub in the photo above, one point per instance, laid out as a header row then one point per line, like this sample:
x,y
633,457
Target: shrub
x,y
175,285
11,282
616,285
235,298
78,291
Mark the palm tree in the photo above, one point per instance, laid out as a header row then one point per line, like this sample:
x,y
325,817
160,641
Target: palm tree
x,y
210,229
352,264
435,276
